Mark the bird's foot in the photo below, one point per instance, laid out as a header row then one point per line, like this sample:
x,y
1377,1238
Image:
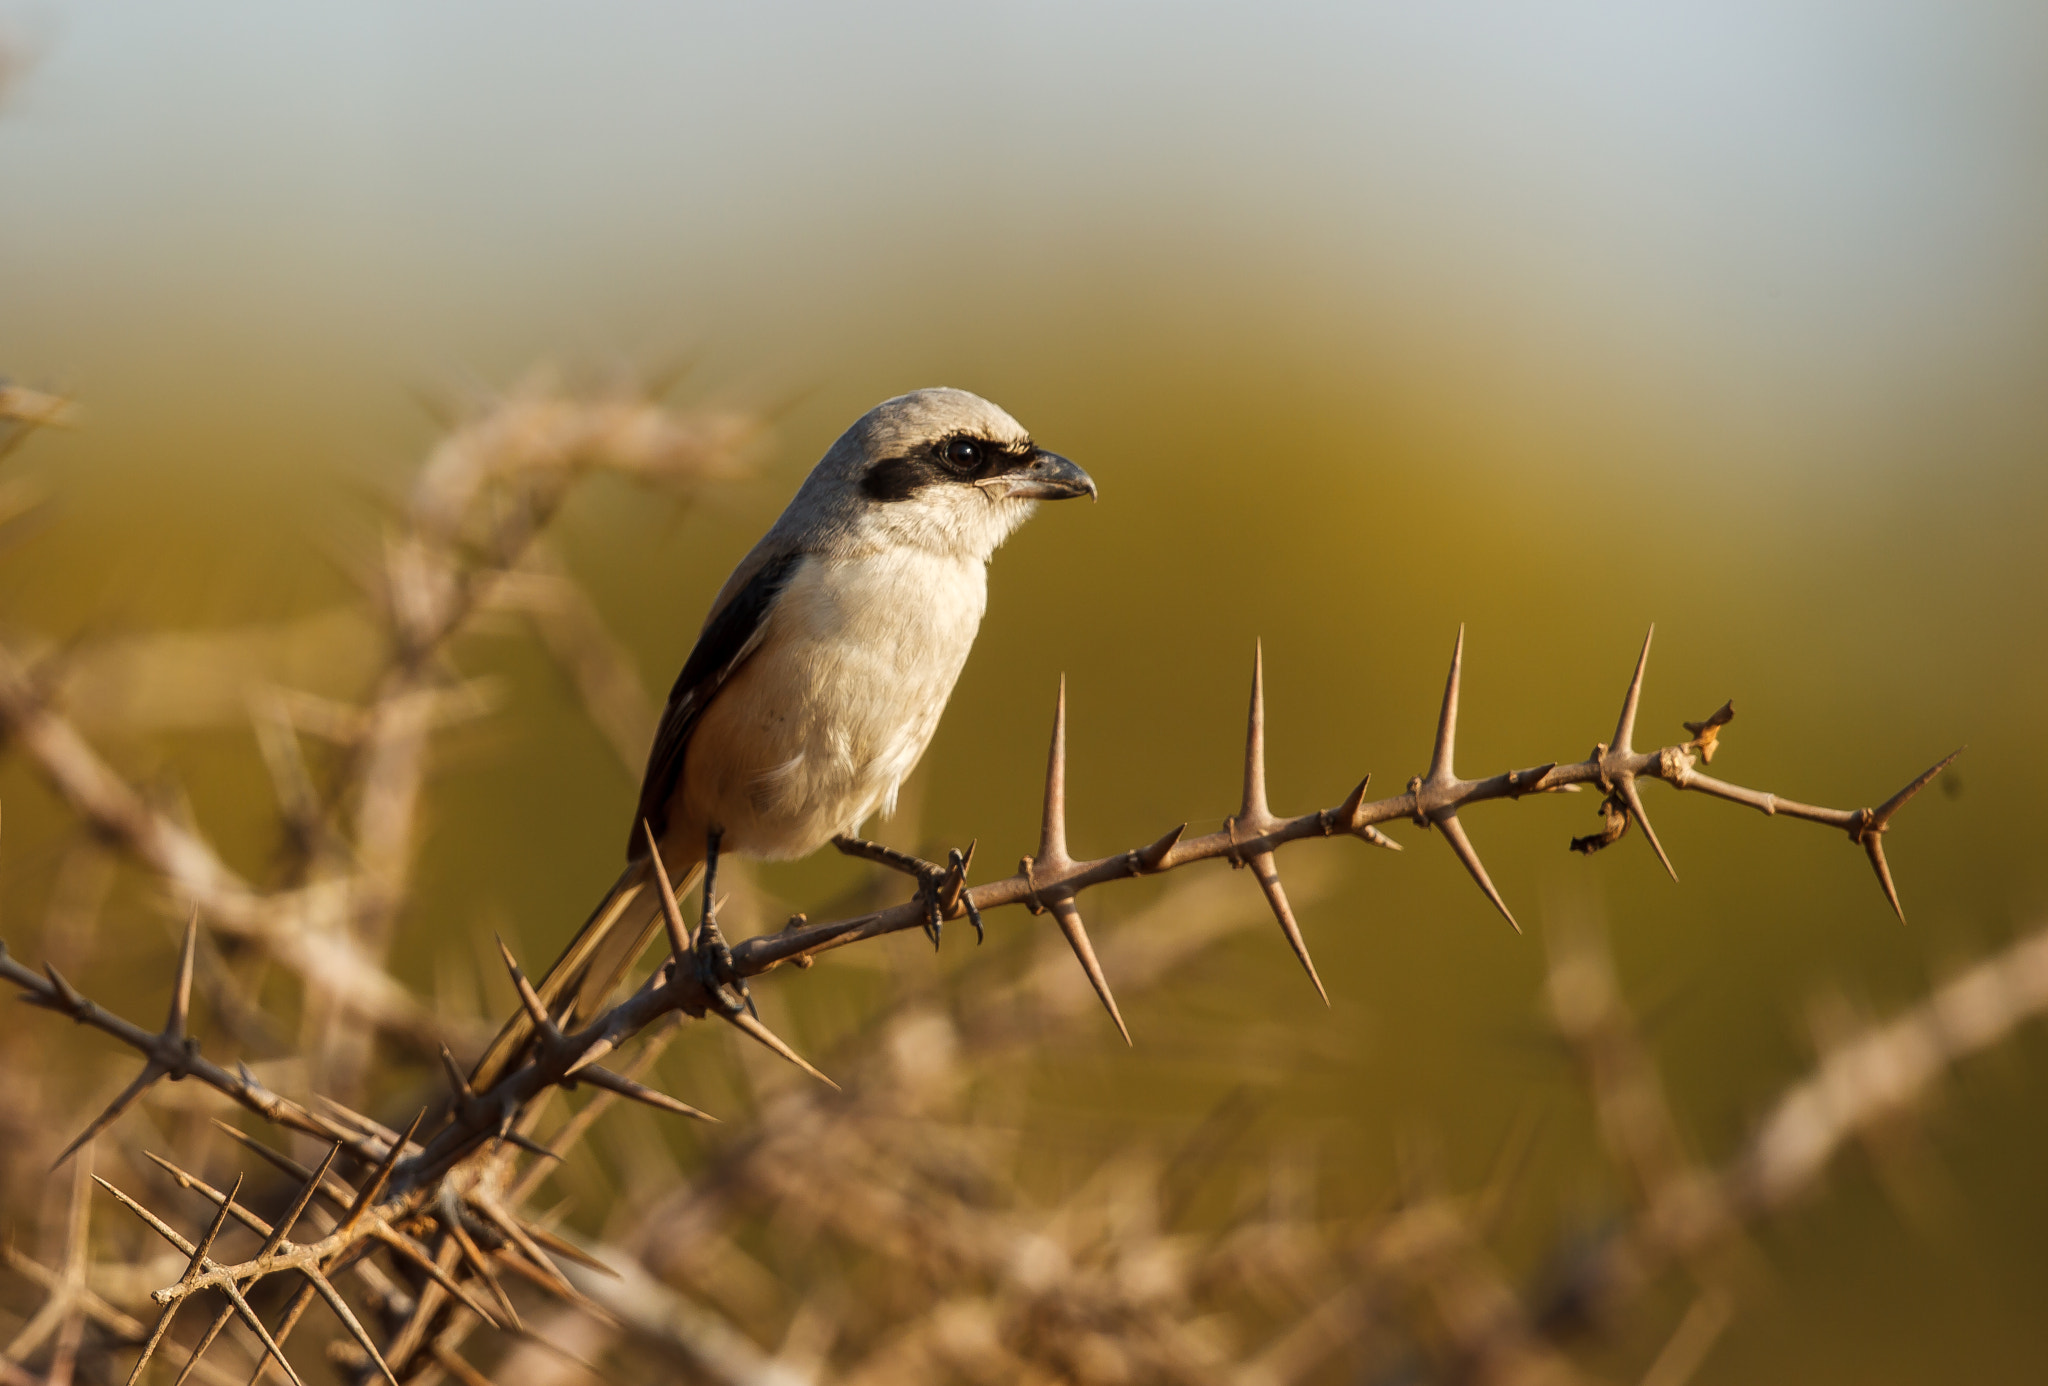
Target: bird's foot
x,y
712,957
943,889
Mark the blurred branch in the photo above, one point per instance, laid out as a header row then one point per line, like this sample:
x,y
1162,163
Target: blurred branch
x,y
22,410
599,666
1882,1073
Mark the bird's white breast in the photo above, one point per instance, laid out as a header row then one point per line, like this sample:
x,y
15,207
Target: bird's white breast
x,y
819,728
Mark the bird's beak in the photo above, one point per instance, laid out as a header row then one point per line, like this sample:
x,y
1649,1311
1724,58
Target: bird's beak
x,y
1049,477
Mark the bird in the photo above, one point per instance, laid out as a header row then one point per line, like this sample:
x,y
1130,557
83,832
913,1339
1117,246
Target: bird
x,y
821,670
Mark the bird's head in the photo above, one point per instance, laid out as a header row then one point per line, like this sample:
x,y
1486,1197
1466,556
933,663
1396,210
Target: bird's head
x,y
941,469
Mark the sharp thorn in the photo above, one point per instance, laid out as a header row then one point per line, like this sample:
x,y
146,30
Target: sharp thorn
x,y
263,1334
1379,839
156,1224
372,1191
144,1081
181,994
1873,847
527,1143
220,1219
458,1081
626,1087
1153,857
509,1225
1254,810
528,997
480,1264
156,1336
1347,813
1276,895
1443,760
66,993
569,1251
751,1026
349,1321
294,1310
1454,833
1052,833
310,1186
1625,725
335,1192
1635,808
679,942
198,1349
419,1256
1069,920
1883,814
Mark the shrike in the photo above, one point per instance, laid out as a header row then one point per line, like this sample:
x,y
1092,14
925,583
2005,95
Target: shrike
x,y
824,664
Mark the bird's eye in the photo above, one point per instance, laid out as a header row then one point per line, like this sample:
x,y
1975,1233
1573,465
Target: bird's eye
x,y
963,454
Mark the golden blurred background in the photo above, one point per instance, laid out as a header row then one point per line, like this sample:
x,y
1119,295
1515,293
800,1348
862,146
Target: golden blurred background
x,y
1368,320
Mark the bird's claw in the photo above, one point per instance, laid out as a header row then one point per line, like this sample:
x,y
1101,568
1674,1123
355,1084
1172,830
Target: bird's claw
x,y
726,988
942,889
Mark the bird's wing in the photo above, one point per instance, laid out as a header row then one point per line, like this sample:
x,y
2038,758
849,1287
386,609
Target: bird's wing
x,y
731,634
596,959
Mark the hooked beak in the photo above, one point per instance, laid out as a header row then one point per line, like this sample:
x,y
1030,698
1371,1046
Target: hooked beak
x,y
1049,477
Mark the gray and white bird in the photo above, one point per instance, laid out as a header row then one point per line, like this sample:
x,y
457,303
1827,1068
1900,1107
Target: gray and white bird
x,y
824,664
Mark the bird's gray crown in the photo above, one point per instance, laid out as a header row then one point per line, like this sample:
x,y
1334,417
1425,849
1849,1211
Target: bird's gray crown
x,y
925,417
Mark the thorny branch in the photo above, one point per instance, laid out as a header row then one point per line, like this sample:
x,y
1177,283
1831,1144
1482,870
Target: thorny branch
x,y
439,1199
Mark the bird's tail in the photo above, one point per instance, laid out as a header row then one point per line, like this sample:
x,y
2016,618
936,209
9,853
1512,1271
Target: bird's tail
x,y
596,960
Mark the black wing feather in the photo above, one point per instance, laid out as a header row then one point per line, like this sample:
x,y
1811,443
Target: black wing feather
x,y
726,641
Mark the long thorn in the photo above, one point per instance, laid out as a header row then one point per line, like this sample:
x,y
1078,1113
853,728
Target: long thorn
x,y
1443,761
1635,807
458,1081
1454,833
510,1228
528,997
1873,847
1069,920
181,993
372,1191
480,1264
334,1191
671,912
569,1251
349,1321
1276,895
1254,809
255,1326
753,1027
1625,725
626,1087
128,1096
1883,814
1052,833
419,1256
